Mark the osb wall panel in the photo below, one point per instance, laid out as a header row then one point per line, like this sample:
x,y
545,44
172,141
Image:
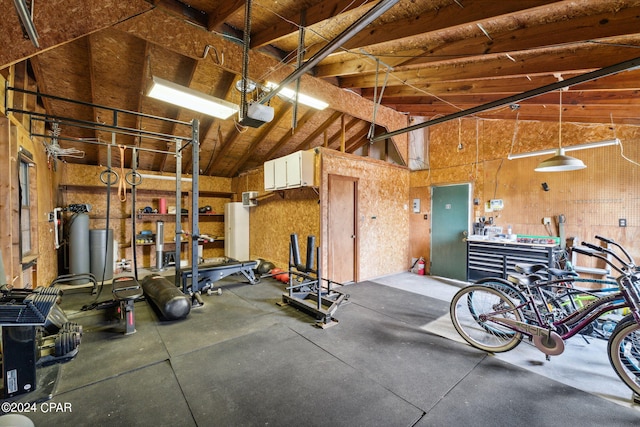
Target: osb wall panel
x,y
592,199
278,215
75,174
383,211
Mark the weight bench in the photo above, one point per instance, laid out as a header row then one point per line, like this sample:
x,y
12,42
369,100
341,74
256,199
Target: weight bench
x,y
210,273
126,290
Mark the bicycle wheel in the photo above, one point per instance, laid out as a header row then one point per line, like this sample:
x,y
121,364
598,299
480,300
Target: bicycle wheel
x,y
469,309
505,287
624,352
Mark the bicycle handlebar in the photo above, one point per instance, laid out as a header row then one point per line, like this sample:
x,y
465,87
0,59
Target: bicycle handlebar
x,y
603,258
592,246
628,265
604,239
619,246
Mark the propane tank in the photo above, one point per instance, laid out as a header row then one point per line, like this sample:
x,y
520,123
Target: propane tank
x,y
79,261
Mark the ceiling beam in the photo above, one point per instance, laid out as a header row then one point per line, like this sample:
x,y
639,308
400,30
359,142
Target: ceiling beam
x,y
557,60
629,80
223,10
548,27
337,136
315,14
570,113
357,140
577,98
287,136
306,144
224,149
437,18
613,69
380,8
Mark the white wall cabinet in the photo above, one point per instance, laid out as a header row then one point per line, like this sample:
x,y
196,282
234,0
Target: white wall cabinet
x,y
236,231
270,175
291,171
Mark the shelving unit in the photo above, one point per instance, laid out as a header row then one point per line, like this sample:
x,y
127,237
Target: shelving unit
x,y
210,224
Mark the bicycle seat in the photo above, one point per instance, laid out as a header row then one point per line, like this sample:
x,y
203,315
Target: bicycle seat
x,y
529,268
521,279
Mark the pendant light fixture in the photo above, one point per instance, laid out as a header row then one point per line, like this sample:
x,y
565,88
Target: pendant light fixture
x,y
560,162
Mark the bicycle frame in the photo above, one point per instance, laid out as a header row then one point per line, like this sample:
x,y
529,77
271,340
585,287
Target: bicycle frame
x,y
576,321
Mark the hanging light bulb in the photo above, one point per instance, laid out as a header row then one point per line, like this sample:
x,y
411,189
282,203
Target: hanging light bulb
x,y
560,162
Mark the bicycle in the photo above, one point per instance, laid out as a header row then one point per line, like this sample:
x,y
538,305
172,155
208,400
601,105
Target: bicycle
x,y
556,296
494,321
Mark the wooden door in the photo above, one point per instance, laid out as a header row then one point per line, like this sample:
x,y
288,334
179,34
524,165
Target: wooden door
x,y
342,235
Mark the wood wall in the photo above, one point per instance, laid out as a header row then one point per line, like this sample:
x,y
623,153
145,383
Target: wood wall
x,y
383,225
278,215
592,199
383,211
13,138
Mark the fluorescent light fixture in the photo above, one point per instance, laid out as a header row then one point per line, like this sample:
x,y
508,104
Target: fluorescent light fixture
x,y
185,97
606,143
290,95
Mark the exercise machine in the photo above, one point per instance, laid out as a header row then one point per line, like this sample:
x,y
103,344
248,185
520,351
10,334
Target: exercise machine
x,y
208,274
305,290
126,291
35,333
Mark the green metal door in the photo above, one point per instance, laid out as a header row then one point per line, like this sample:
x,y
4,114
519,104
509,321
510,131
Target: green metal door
x,y
450,220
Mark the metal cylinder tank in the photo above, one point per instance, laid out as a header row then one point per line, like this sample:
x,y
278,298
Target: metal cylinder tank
x,y
101,242
79,260
159,246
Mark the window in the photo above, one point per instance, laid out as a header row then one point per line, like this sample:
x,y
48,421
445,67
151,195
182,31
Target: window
x,y
27,182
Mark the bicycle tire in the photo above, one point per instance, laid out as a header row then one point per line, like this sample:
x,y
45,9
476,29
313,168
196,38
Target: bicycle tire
x,y
468,307
623,349
505,287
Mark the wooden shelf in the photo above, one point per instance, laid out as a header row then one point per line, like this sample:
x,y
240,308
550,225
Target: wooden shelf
x,y
210,222
184,242
211,216
93,188
151,216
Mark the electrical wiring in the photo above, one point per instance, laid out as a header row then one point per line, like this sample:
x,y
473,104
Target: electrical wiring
x,y
615,136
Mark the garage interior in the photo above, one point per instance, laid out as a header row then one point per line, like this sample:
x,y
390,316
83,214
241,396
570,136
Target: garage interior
x,y
422,97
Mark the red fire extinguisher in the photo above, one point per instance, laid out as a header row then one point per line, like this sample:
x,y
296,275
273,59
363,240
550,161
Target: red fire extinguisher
x,y
421,266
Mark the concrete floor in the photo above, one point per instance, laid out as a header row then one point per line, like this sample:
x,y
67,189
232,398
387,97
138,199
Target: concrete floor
x,y
583,365
393,359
